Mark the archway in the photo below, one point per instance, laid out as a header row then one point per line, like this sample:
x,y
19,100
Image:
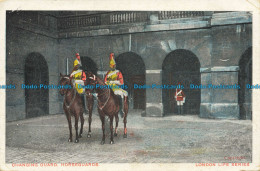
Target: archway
x,y
244,78
184,67
36,73
133,69
88,64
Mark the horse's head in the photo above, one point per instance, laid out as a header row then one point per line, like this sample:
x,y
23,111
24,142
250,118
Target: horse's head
x,y
64,80
91,78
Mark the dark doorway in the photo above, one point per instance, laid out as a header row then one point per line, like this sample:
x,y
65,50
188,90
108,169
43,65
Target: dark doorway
x,y
184,67
245,78
88,64
133,69
36,73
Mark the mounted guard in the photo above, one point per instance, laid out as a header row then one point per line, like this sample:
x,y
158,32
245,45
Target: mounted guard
x,y
114,79
78,75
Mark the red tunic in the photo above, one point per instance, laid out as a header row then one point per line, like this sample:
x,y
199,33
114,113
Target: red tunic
x,y
84,77
179,95
114,76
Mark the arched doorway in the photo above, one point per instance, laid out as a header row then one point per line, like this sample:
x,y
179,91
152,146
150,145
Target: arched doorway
x,y
88,64
36,73
184,67
133,69
244,78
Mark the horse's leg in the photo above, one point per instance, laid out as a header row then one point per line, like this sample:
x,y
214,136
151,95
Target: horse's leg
x,y
90,100
117,119
69,123
76,126
102,118
125,115
82,123
111,129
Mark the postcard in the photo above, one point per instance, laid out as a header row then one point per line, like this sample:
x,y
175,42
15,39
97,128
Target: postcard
x,y
129,86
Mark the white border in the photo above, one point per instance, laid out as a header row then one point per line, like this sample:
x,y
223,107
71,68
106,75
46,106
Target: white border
x,y
153,5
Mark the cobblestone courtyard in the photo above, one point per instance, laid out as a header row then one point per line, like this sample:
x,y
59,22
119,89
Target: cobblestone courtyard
x,y
173,139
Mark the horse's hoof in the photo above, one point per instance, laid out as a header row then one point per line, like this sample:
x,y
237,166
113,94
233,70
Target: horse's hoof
x,y
125,136
76,141
102,142
115,134
69,140
80,135
112,142
89,135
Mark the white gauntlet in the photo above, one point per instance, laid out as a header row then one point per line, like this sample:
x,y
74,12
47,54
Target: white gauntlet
x,y
115,82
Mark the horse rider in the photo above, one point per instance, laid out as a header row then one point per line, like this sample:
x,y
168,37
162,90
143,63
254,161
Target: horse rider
x,y
78,76
114,79
180,98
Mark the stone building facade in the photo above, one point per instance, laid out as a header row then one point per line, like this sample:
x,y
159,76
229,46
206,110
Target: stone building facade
x,y
160,47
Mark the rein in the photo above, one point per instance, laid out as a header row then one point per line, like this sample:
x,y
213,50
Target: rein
x,y
99,95
101,108
74,96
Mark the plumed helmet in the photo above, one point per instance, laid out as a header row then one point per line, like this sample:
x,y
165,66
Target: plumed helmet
x,y
77,56
76,62
112,62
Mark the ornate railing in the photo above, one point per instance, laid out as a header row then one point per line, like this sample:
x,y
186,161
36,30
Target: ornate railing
x,y
122,17
79,21
127,17
106,18
164,15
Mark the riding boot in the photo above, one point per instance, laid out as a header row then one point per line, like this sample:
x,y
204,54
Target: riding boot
x,y
182,110
121,104
85,103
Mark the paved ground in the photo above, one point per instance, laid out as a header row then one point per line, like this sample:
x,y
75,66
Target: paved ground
x,y
174,139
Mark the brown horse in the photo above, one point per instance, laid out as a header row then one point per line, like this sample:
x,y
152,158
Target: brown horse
x,y
72,106
108,105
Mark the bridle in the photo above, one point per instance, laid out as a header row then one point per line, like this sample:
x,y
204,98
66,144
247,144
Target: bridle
x,y
106,100
94,78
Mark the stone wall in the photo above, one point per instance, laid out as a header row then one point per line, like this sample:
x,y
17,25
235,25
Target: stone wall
x,y
218,41
22,40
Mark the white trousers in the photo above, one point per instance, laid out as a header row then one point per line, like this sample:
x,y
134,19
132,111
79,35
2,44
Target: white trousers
x,y
180,103
121,93
81,82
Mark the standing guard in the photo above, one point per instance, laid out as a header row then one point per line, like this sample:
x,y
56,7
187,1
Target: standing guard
x,y
114,79
180,98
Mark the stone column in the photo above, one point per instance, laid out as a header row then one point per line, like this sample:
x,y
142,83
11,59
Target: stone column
x,y
205,104
55,99
154,106
219,103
